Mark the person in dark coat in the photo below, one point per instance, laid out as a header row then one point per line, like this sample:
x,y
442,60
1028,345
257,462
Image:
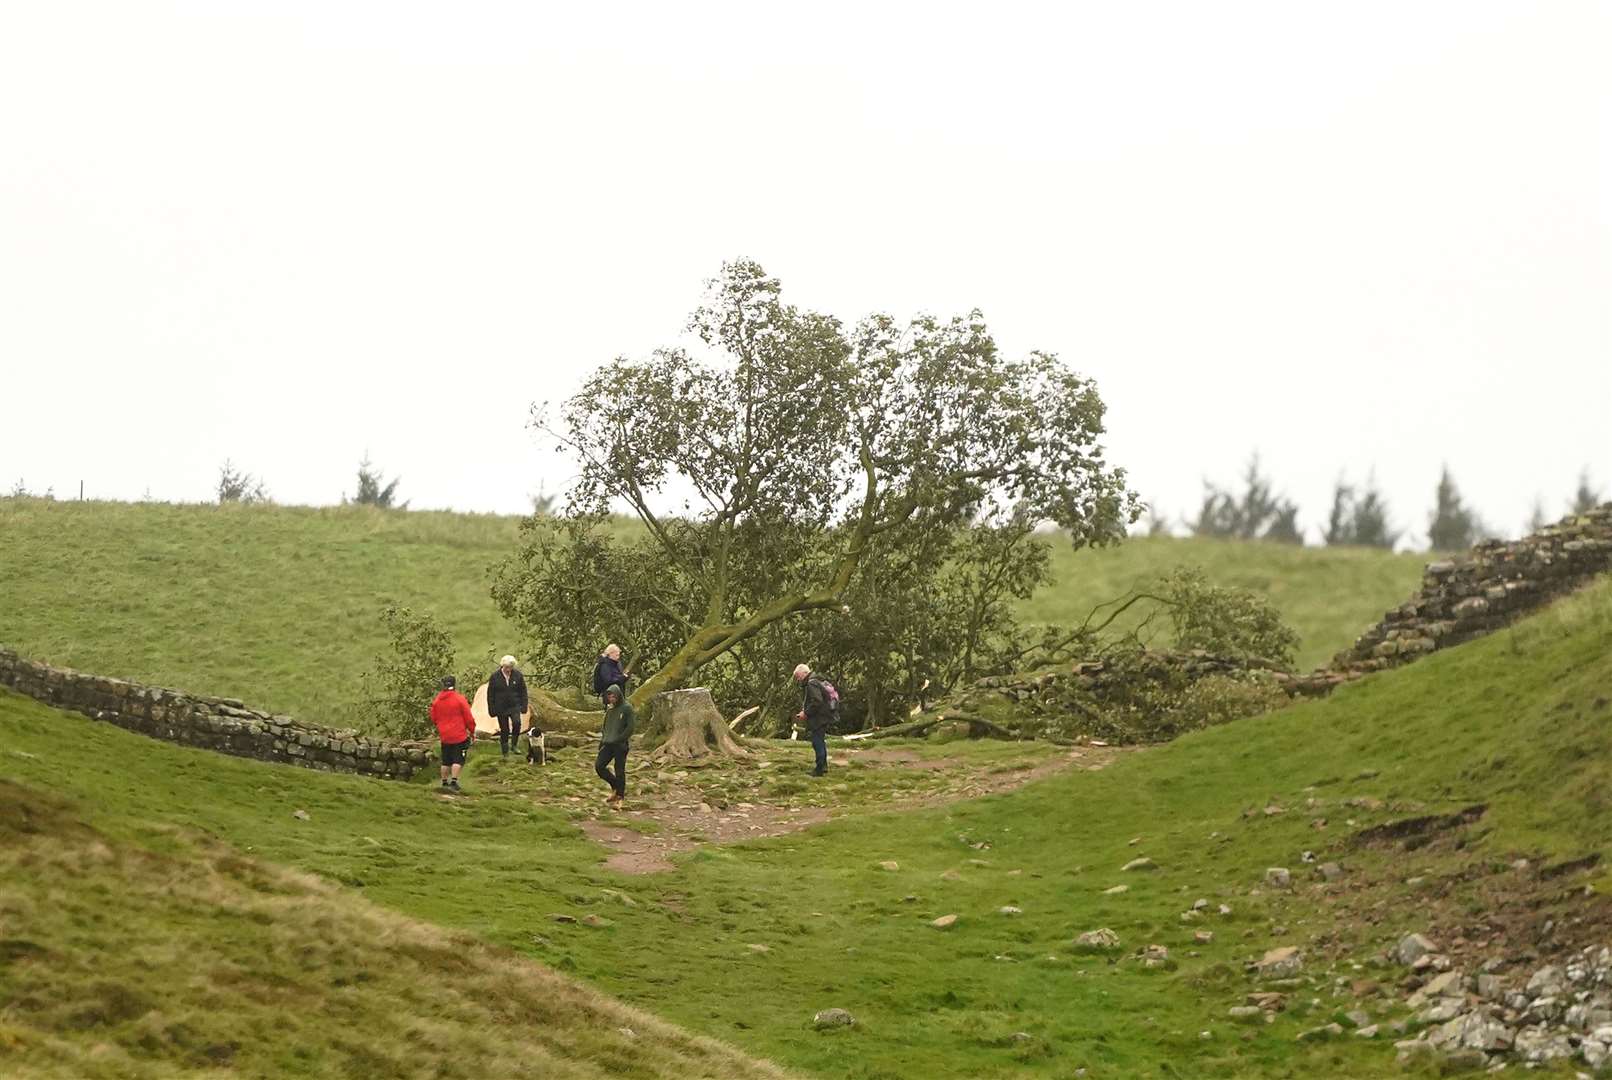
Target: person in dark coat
x,y
607,672
506,700
816,713
619,721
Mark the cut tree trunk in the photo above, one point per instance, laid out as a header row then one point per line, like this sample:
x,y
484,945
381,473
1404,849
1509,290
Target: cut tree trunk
x,y
694,729
550,715
542,710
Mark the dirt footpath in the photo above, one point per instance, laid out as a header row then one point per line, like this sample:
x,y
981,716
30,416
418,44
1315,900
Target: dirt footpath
x,y
682,809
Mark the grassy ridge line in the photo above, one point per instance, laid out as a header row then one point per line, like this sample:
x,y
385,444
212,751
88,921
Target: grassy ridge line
x,y
1329,595
128,960
279,606
1517,720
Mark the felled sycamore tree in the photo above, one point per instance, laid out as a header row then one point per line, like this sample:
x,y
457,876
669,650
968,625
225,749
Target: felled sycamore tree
x,y
764,462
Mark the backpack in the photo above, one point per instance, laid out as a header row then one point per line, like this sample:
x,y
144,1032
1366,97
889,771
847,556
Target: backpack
x,y
832,696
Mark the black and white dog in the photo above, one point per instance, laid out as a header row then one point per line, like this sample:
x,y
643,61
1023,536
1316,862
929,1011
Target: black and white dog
x,y
537,751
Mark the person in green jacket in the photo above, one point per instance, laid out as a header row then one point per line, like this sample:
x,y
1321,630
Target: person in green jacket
x,y
619,720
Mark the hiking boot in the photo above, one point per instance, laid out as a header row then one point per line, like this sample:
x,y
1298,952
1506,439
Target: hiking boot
x,y
819,772
453,786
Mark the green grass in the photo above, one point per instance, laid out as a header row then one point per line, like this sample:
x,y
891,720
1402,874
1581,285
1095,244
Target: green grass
x,y
1329,595
1517,721
280,606
277,606
171,954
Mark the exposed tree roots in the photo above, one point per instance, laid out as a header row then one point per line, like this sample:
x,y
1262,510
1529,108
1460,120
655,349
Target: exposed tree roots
x,y
694,728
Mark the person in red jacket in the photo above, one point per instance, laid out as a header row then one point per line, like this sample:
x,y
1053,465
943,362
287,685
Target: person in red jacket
x,y
450,712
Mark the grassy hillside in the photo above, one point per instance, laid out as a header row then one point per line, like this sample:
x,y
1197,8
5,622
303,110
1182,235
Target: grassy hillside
x,y
1329,595
1517,722
168,953
279,606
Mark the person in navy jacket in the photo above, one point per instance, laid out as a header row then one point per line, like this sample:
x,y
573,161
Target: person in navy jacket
x,y
607,672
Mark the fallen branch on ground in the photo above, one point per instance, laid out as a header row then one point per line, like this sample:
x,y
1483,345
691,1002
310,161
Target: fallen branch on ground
x,y
978,728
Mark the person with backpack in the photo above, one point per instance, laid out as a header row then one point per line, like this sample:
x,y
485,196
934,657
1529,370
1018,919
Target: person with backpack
x,y
456,726
619,720
819,707
506,700
607,672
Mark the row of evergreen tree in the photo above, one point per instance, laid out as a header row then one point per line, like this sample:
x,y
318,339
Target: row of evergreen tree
x,y
1359,516
239,486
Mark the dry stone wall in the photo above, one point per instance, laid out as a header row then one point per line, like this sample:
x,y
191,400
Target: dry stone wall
x,y
1483,590
1460,599
221,724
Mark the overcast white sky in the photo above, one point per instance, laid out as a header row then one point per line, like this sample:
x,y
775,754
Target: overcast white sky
x,y
1350,235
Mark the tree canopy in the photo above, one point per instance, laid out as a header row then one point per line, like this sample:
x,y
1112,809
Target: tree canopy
x,y
1453,526
1585,496
771,463
1360,518
374,489
1258,514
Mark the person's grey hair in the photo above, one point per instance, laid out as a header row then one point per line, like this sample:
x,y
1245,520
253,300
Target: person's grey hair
x,y
801,671
508,661
613,651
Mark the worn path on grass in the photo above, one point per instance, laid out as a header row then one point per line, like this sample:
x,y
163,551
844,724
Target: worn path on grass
x,y
680,812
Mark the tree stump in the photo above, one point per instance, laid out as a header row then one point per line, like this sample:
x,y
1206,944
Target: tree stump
x,y
695,730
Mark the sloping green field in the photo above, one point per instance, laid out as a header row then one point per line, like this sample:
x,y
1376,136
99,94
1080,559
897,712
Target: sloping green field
x,y
280,606
1517,723
1329,595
